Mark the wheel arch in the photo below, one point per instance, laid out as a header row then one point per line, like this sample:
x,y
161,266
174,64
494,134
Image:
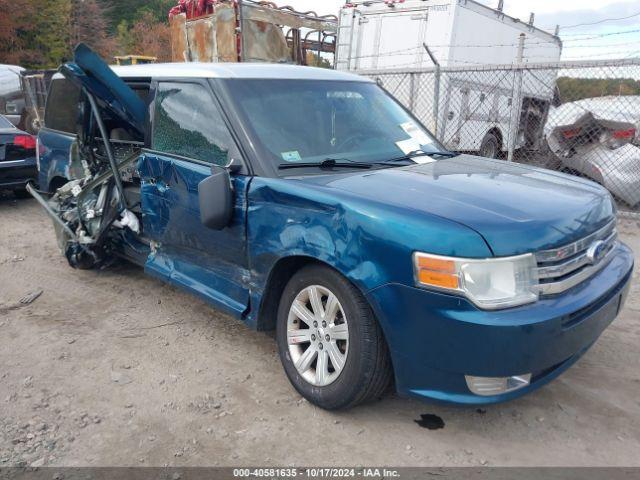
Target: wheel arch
x,y
56,183
277,280
279,276
496,132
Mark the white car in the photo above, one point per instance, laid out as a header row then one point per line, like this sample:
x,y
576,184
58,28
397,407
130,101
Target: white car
x,y
598,138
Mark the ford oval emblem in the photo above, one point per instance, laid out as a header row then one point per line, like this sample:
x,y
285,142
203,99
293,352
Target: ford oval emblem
x,y
596,252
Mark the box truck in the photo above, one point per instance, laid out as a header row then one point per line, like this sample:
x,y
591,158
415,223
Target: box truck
x,y
461,54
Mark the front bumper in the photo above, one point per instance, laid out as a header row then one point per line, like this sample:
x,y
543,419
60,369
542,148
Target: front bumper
x,y
437,339
15,174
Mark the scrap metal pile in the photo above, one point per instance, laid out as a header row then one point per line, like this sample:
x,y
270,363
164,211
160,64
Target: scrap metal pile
x,y
249,31
598,138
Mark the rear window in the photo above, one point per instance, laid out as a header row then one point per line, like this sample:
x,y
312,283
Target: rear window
x,y
9,83
63,111
11,97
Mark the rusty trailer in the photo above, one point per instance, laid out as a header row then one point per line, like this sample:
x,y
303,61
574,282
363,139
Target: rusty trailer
x,y
251,31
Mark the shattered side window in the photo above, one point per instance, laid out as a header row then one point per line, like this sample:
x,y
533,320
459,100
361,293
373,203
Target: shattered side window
x,y
188,123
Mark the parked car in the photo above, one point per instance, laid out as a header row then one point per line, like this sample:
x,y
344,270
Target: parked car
x,y
310,202
17,158
11,94
598,138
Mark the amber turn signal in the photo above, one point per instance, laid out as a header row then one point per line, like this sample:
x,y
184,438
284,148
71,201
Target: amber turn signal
x,y
436,272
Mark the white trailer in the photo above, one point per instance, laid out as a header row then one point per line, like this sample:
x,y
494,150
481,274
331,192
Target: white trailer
x,y
475,106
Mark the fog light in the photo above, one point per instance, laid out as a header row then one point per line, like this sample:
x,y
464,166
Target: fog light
x,y
488,386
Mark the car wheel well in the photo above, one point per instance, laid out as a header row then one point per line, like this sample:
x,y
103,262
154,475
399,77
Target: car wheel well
x,y
280,275
495,131
56,183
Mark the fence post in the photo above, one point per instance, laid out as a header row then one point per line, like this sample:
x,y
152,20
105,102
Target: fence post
x,y
412,92
436,91
516,102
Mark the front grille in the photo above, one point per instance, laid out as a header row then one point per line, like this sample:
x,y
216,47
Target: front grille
x,y
563,268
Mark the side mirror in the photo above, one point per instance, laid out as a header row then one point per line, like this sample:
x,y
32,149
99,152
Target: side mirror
x,y
216,199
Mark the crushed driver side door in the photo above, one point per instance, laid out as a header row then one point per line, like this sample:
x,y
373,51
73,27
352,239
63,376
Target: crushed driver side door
x,y
189,135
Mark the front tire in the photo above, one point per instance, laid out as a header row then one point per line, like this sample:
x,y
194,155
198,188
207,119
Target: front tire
x,y
330,344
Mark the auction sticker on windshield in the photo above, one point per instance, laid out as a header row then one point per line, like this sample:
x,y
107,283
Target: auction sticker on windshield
x,y
416,133
291,156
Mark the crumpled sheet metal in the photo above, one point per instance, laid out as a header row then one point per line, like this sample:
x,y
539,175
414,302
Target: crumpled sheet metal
x,y
213,38
619,169
208,39
617,110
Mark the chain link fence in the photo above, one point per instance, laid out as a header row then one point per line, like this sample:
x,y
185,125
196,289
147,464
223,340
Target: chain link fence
x,y
581,118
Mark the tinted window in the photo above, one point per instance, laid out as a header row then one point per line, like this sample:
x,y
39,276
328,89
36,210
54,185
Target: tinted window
x,y
9,83
189,124
63,110
11,97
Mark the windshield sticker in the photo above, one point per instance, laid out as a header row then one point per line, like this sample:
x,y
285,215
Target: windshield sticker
x,y
412,146
408,146
291,156
416,133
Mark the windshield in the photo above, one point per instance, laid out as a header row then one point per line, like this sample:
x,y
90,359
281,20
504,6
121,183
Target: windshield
x,y
309,121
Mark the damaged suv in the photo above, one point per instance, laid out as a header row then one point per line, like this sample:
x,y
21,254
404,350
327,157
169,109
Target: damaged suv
x,y
310,202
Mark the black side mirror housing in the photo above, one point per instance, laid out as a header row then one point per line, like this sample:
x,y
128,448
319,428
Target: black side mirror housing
x,y
216,199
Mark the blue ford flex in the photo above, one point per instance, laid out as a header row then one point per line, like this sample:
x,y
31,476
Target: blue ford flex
x,y
309,202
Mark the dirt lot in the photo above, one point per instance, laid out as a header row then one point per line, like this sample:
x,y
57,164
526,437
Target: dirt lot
x,y
114,368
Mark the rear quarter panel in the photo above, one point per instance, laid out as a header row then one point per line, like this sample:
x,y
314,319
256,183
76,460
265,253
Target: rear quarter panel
x,y
55,155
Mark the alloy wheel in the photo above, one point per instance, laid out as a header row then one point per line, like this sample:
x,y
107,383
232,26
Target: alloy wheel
x,y
318,335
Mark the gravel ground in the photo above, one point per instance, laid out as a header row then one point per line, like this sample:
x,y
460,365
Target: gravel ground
x,y
113,368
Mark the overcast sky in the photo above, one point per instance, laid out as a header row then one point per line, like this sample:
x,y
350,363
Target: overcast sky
x,y
549,13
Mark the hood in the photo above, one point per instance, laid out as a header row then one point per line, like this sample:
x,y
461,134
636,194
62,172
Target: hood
x,y
88,71
516,208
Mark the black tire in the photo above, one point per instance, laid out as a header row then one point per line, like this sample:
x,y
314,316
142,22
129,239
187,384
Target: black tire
x,y
22,193
367,371
490,147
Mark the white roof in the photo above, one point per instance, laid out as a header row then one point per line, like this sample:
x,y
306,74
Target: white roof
x,y
13,68
234,70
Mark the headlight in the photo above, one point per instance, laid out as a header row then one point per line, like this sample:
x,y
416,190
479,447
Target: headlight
x,y
491,284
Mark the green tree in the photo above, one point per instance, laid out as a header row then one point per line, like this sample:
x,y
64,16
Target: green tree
x,y
132,11
572,89
51,31
89,24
